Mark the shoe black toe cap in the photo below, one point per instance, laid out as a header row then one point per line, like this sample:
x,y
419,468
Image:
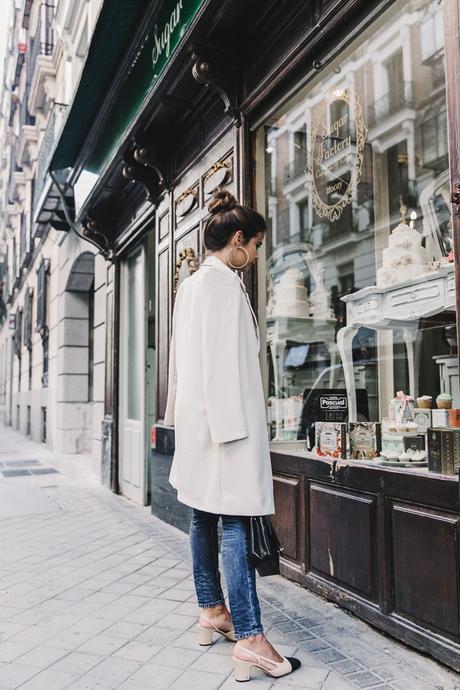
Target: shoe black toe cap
x,y
295,663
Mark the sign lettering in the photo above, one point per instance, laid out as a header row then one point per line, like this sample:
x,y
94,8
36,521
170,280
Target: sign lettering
x,y
162,39
336,153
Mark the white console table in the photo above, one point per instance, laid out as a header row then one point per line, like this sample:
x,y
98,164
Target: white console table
x,y
396,306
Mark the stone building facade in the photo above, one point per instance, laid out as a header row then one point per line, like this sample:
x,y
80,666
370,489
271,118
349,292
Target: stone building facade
x,y
53,281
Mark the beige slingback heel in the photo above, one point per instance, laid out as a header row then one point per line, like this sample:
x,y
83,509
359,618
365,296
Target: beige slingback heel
x,y
275,669
205,634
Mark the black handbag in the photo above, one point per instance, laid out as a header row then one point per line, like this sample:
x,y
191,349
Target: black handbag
x,y
264,546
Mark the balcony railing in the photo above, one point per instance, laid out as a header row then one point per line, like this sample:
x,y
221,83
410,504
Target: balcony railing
x,y
294,169
43,41
397,98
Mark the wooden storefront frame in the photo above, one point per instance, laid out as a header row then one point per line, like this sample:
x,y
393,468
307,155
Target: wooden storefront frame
x,y
419,499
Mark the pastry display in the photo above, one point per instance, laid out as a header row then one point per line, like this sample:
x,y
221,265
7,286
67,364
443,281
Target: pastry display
x,y
444,401
408,458
290,296
425,402
406,425
405,258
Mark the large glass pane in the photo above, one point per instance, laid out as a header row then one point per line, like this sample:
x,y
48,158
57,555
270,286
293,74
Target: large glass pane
x,y
360,289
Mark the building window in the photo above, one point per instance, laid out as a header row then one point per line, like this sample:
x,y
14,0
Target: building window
x,y
43,424
45,341
28,428
28,306
17,343
45,28
42,297
43,277
431,32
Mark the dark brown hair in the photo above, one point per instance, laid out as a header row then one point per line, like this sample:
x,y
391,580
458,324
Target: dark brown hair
x,y
227,216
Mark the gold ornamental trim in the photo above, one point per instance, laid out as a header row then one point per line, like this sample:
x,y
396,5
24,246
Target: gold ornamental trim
x,y
338,153
191,191
218,166
222,174
189,256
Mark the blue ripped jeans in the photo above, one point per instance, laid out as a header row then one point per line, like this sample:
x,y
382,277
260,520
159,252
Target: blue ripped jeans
x,y
239,573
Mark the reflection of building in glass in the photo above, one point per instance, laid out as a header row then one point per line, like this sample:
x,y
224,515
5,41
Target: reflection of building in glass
x,y
335,199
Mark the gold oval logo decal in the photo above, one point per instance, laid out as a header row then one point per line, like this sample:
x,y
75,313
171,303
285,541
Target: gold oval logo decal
x,y
335,160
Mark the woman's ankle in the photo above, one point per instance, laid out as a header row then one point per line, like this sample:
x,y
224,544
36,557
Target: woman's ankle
x,y
215,611
253,639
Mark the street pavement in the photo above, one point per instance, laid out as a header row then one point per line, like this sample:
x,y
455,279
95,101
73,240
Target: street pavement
x,y
97,594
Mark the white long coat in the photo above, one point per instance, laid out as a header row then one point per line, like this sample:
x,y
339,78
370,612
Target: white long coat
x,y
215,400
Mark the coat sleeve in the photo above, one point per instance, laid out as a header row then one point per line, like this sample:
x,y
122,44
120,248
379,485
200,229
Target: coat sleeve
x,y
172,371
221,362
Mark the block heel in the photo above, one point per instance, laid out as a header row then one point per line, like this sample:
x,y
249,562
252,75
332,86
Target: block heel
x,y
204,635
242,670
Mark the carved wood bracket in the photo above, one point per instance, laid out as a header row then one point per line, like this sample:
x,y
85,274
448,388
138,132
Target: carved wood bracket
x,y
147,167
94,231
210,72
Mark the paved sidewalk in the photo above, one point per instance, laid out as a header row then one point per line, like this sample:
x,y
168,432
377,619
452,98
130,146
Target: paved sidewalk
x,y
97,594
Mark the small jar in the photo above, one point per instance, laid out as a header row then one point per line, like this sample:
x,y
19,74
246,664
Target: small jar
x,y
454,417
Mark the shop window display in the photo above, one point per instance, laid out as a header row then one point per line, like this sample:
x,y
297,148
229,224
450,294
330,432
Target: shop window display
x,y
360,290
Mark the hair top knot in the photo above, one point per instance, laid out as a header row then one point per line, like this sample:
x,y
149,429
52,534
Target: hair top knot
x,y
226,216
221,202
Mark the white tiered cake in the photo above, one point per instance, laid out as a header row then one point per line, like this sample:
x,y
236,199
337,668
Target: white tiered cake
x,y
290,296
404,259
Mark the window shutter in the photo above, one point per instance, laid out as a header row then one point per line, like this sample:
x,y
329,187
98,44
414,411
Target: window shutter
x,y
28,318
18,333
41,325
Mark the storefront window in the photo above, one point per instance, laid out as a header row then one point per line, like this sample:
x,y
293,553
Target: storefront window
x,y
360,294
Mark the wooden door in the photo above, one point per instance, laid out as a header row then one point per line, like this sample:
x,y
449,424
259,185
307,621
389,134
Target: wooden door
x,y
132,374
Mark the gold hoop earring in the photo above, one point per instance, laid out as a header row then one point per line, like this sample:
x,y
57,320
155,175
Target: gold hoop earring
x,y
238,268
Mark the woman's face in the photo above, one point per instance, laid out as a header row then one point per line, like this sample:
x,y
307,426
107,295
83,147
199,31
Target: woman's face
x,y
239,257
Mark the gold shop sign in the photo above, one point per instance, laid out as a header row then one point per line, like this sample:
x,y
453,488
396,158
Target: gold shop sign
x,y
335,160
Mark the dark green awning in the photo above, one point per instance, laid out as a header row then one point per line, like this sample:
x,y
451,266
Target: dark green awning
x,y
111,41
112,36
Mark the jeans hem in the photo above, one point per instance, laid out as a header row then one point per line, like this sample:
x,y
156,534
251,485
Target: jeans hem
x,y
256,631
210,605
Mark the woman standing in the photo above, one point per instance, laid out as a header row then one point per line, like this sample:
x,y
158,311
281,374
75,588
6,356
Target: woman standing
x,y
221,465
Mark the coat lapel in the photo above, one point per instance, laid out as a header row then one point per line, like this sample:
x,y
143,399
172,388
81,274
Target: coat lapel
x,y
217,263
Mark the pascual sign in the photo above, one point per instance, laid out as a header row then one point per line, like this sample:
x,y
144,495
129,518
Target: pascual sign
x,y
336,153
